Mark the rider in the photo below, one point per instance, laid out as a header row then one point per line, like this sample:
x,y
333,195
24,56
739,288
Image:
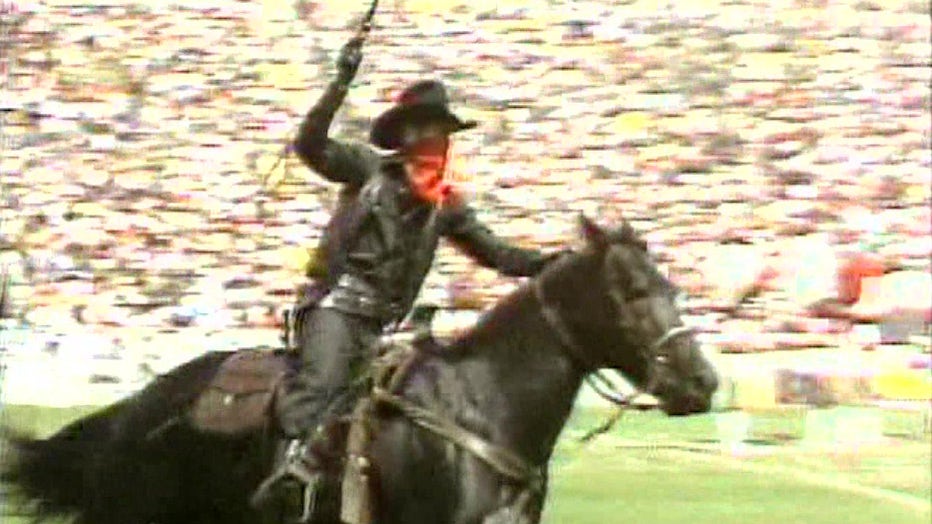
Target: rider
x,y
378,247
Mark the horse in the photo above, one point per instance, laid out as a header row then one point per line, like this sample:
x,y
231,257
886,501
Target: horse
x,y
461,434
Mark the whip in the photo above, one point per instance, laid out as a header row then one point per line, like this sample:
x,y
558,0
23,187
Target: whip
x,y
365,27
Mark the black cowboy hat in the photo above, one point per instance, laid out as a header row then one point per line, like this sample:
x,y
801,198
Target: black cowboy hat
x,y
421,102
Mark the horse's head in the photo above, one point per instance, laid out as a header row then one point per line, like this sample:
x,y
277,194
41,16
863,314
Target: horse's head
x,y
622,313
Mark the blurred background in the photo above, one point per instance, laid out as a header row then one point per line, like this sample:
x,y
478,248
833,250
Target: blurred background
x,y
775,155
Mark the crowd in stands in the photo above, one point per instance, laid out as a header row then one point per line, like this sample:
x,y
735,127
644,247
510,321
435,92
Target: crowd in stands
x,y
784,142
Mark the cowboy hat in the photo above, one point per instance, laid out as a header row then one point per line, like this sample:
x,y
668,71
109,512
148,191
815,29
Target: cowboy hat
x,y
422,102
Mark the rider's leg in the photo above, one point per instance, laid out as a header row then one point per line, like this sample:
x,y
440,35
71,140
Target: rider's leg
x,y
328,356
333,349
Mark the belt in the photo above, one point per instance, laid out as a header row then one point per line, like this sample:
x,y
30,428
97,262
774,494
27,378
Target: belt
x,y
352,294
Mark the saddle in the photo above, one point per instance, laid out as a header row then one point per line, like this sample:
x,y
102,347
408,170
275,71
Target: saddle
x,y
240,396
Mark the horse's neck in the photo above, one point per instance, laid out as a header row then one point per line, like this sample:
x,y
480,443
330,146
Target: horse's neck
x,y
517,382
536,399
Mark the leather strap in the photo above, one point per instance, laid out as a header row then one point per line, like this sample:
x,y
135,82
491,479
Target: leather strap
x,y
502,460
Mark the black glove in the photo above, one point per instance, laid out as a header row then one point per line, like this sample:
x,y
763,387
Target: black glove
x,y
349,59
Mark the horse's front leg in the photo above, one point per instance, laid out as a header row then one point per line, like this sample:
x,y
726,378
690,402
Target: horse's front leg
x,y
524,507
519,512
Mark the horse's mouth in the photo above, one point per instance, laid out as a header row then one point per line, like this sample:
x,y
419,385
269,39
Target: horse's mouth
x,y
687,405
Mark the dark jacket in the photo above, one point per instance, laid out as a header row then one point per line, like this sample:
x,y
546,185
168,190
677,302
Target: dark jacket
x,y
380,242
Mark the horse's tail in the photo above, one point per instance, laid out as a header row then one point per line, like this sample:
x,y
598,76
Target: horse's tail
x,y
104,459
46,477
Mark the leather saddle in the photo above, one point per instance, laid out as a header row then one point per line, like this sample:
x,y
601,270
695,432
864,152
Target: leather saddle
x,y
241,395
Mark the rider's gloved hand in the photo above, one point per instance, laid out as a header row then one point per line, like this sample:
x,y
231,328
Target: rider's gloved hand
x,y
349,59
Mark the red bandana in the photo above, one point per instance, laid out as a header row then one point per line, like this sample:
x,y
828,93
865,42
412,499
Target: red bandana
x,y
428,161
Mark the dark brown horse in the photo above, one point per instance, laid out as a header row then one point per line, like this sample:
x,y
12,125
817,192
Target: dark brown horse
x,y
464,436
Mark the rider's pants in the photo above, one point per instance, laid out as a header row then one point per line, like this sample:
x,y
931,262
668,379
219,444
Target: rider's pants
x,y
336,348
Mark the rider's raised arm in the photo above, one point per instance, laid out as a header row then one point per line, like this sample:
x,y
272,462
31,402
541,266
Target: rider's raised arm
x,y
342,162
461,225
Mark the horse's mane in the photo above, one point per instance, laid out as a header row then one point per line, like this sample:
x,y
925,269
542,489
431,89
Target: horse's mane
x,y
495,321
502,316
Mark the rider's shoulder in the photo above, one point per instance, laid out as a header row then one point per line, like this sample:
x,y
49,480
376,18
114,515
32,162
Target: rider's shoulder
x,y
456,212
379,187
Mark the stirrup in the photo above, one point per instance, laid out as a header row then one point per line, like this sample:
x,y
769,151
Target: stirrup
x,y
308,502
308,493
292,469
308,497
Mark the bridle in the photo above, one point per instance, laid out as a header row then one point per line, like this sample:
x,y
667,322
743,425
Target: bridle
x,y
596,378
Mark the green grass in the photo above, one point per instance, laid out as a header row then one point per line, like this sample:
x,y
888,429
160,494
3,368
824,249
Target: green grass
x,y
40,421
608,481
626,486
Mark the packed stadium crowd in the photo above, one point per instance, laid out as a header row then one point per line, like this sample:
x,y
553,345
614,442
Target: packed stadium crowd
x,y
748,141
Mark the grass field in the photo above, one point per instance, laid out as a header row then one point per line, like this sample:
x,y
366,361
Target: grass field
x,y
657,470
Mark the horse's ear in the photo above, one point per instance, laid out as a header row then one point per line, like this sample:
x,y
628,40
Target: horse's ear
x,y
592,232
627,231
631,236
